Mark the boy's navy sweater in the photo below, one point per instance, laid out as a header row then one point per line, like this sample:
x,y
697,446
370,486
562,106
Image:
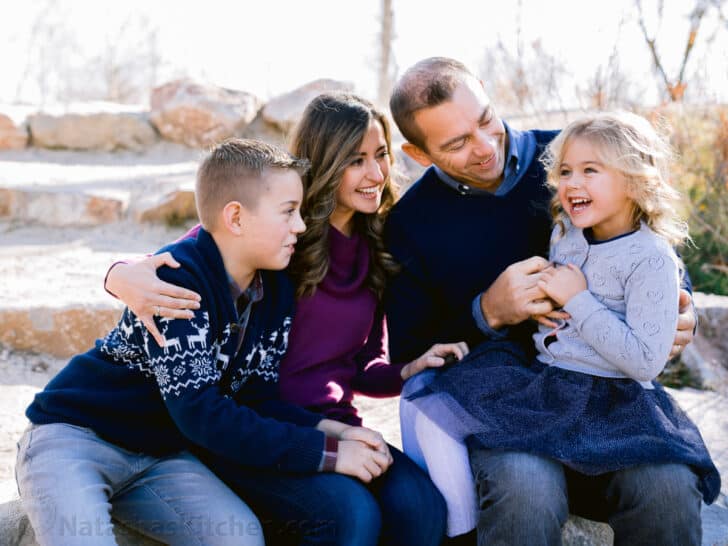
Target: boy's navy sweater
x,y
452,247
196,391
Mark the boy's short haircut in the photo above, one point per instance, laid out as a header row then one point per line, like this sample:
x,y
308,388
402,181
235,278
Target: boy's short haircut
x,y
235,171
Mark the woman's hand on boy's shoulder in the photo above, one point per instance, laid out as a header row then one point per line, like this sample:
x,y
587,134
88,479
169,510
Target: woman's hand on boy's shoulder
x,y
140,289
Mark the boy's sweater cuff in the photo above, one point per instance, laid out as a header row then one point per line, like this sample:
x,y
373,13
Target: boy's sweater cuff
x,y
328,459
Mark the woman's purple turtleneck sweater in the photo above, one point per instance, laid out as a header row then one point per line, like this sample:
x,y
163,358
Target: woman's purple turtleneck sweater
x,y
338,341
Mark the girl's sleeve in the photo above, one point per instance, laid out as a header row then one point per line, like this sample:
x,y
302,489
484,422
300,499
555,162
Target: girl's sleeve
x,y
638,345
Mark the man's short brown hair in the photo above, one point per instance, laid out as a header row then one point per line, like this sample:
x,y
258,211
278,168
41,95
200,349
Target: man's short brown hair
x,y
428,83
235,171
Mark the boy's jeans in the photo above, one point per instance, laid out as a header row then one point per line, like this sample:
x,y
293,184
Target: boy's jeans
x,y
72,482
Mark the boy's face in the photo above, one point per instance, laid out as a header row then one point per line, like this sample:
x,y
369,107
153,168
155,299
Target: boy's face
x,y
271,228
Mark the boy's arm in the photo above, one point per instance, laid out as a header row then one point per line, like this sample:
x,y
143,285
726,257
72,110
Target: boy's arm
x,y
638,346
188,377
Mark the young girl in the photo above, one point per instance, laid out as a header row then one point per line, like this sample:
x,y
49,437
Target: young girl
x,y
337,343
589,400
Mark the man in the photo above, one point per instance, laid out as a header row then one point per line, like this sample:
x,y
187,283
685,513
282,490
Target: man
x,y
471,235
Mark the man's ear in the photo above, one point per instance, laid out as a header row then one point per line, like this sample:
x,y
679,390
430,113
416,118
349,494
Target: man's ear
x,y
234,215
417,153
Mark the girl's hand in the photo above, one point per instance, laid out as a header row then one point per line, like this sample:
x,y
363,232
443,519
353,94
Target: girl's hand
x,y
550,319
435,357
562,283
137,285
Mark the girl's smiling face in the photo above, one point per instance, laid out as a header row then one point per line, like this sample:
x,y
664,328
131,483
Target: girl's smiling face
x,y
593,194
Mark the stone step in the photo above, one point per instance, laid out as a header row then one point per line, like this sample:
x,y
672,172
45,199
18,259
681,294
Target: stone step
x,y
52,298
71,188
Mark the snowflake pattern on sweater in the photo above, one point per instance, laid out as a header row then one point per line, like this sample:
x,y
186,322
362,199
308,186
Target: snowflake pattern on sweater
x,y
192,357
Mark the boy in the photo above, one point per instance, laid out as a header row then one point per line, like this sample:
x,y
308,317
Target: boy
x,y
113,428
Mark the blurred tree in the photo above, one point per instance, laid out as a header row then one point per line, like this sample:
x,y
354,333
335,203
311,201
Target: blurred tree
x,y
58,71
386,66
674,87
52,54
526,82
609,86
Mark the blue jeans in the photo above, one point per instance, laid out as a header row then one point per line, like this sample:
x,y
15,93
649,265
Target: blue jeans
x,y
400,508
72,482
525,499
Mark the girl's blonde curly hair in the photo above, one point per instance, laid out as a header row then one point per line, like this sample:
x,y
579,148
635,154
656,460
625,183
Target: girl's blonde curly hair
x,y
629,144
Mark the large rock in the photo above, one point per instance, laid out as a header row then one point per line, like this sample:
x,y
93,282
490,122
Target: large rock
x,y
61,332
95,131
200,115
707,356
262,130
12,136
57,207
285,110
15,529
713,316
173,207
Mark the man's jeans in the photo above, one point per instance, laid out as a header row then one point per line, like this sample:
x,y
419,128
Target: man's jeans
x,y
525,499
400,508
72,482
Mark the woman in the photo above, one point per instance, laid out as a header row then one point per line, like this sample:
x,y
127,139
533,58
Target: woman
x,y
337,343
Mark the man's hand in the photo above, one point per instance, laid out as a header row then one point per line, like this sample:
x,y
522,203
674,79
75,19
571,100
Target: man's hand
x,y
137,285
515,296
434,357
685,324
561,283
357,459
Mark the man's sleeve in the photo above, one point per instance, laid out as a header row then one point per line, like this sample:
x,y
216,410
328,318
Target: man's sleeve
x,y
409,299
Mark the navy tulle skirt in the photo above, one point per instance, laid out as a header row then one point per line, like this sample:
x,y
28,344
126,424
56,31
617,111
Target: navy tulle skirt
x,y
499,398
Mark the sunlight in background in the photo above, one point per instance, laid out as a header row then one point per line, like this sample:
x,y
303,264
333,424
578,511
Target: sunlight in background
x,y
269,47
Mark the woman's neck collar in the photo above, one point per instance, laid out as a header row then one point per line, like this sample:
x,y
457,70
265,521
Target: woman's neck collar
x,y
343,225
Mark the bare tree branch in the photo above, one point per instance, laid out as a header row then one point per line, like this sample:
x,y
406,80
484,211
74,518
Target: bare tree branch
x,y
675,89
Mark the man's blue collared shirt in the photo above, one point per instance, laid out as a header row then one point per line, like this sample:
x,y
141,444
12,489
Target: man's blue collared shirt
x,y
521,149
